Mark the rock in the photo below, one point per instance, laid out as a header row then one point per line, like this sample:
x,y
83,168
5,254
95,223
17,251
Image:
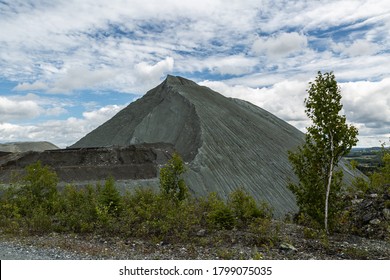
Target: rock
x,y
386,213
201,233
366,203
368,217
375,222
356,201
287,247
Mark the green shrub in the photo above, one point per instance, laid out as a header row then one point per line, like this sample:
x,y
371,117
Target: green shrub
x,y
266,232
109,197
40,188
172,184
35,206
246,210
10,218
39,222
147,213
243,206
77,212
219,214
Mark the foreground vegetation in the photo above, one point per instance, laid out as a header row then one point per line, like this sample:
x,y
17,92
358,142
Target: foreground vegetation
x,y
36,206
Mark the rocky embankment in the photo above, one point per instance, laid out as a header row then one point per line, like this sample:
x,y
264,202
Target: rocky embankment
x,y
369,214
293,244
134,162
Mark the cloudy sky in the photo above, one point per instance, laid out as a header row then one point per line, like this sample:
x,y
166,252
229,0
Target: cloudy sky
x,y
68,66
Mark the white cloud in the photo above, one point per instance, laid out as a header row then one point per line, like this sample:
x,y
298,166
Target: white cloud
x,y
148,75
222,65
280,45
60,132
366,104
26,86
284,99
29,106
359,47
16,110
102,114
272,47
80,77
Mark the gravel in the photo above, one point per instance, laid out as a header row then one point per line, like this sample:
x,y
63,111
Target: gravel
x,y
218,245
13,250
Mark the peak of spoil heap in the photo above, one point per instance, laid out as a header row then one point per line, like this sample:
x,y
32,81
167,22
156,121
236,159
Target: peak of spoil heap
x,y
227,143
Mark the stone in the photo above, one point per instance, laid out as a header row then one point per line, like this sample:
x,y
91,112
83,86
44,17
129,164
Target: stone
x,y
375,222
287,247
386,213
368,217
356,201
201,233
366,203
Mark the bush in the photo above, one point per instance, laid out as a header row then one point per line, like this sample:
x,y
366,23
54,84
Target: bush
x,y
40,221
109,197
172,185
154,215
35,206
10,218
219,214
266,233
40,188
245,208
77,211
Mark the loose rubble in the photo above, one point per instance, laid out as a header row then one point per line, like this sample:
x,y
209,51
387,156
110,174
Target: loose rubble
x,y
369,214
217,245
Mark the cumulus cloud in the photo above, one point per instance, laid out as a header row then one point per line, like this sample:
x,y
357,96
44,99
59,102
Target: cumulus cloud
x,y
60,132
219,65
76,77
284,99
102,114
359,47
280,45
147,75
11,110
81,77
270,48
26,86
366,104
29,106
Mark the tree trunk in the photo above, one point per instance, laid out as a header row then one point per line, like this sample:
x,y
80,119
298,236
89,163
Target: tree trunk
x,y
329,182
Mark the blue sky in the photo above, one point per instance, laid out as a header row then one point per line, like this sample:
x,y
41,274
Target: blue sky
x,y
68,66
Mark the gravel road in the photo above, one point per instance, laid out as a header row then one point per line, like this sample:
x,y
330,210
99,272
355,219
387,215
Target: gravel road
x,y
16,251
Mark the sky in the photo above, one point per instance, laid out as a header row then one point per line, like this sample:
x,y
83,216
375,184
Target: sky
x,y
68,66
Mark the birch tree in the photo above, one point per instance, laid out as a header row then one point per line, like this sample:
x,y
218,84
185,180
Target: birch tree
x,y
327,140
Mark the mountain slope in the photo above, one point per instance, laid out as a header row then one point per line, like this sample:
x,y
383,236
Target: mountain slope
x,y
227,143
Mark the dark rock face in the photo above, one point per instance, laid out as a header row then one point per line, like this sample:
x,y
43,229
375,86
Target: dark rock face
x,y
369,214
76,165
